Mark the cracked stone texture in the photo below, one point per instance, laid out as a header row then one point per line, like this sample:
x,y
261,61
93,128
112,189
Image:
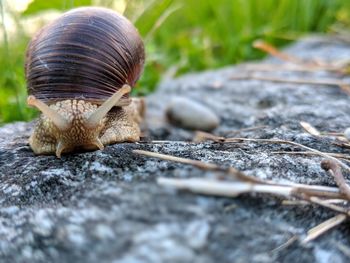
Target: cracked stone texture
x,y
105,206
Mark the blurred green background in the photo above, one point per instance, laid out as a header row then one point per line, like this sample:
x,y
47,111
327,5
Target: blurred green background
x,y
180,35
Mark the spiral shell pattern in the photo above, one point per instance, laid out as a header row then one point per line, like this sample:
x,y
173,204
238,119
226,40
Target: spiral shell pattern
x,y
87,53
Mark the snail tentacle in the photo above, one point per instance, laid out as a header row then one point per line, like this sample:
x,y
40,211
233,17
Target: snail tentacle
x,y
96,117
59,149
60,122
99,144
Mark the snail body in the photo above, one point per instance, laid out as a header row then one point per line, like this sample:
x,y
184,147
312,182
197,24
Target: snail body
x,y
79,72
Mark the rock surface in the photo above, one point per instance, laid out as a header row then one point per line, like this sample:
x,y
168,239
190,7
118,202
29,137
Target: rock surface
x,y
105,206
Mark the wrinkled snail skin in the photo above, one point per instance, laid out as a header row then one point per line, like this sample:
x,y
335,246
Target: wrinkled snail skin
x,y
79,72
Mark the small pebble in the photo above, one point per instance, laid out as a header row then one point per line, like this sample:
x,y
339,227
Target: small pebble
x,y
347,133
192,115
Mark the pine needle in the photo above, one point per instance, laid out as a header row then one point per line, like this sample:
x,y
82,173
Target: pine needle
x,y
309,128
320,229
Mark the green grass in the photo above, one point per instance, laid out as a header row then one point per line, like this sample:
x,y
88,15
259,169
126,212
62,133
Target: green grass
x,y
183,36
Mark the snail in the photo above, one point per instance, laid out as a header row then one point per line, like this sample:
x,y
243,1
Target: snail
x,y
79,71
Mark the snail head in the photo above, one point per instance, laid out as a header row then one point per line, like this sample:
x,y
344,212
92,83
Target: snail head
x,y
76,123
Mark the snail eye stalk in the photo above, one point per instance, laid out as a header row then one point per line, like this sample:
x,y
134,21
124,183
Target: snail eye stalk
x,y
61,123
96,117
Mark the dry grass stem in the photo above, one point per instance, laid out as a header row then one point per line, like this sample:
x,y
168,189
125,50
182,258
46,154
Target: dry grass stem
x,y
273,51
313,190
320,229
277,67
335,201
309,128
234,188
333,133
167,141
343,248
224,188
329,197
246,130
199,164
201,136
202,165
334,169
311,65
324,81
295,202
230,207
288,243
303,202
324,203
316,190
277,141
342,145
335,155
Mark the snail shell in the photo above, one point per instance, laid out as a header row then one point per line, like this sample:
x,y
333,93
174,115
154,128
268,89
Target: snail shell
x,y
88,53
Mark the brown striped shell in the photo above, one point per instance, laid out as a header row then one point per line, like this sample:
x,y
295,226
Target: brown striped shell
x,y
87,53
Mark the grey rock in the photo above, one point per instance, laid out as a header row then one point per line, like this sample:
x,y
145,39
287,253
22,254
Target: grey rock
x,y
190,114
105,206
164,243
